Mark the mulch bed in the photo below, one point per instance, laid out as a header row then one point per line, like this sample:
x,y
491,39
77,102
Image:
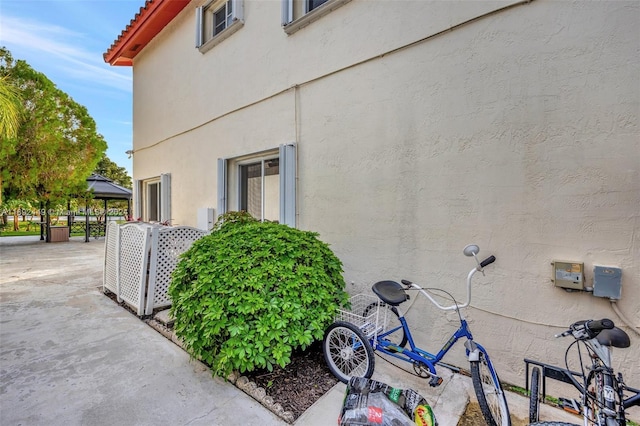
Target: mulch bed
x,y
301,383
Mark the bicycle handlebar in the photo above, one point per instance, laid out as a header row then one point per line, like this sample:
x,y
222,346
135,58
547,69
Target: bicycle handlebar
x,y
488,261
598,325
587,329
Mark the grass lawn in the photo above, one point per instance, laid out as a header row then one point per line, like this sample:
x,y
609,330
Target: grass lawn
x,y
25,229
34,229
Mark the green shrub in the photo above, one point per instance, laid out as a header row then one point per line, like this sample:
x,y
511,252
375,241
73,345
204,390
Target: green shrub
x,y
247,295
233,218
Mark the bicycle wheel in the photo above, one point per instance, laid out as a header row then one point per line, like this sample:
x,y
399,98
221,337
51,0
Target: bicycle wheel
x,y
534,400
398,337
491,397
347,351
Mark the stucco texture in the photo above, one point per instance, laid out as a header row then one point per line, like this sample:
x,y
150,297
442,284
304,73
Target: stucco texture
x,y
517,131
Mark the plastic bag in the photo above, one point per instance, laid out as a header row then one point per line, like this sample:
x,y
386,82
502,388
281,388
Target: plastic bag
x,y
371,403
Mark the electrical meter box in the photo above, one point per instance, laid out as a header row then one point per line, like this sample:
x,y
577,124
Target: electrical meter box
x,y
607,282
206,219
568,275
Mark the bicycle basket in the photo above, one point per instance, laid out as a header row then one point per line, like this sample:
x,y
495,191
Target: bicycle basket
x,y
368,313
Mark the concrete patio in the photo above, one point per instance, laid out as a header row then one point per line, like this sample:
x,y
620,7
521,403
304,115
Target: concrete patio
x,y
70,356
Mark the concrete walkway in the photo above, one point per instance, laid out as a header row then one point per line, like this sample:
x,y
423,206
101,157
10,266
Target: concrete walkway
x,y
70,356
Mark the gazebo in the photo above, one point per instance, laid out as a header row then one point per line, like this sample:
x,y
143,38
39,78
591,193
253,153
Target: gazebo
x,y
101,188
104,189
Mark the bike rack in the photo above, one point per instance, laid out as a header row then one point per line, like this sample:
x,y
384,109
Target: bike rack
x,y
552,372
568,376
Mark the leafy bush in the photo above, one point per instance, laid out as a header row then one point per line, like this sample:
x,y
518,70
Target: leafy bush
x,y
233,218
247,295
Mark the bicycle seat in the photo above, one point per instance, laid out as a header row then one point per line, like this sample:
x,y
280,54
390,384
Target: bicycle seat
x,y
614,337
390,292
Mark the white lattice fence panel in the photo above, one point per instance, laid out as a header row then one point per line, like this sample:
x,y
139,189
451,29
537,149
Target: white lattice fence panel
x,y
166,247
111,257
134,256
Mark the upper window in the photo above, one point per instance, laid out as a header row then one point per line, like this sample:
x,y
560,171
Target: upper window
x,y
312,4
216,21
299,13
221,18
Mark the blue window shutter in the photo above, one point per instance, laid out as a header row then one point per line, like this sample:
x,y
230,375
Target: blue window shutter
x,y
222,186
288,179
287,12
199,26
165,197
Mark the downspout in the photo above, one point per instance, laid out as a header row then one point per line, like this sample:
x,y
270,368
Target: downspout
x,y
296,124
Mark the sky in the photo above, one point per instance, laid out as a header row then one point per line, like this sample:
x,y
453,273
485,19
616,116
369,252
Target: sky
x,y
65,40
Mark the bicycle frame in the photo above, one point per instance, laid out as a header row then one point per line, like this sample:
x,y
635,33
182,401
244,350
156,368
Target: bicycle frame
x,y
416,354
608,387
349,346
583,390
602,393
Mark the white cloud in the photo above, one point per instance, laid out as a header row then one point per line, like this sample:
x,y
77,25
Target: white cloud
x,y
62,49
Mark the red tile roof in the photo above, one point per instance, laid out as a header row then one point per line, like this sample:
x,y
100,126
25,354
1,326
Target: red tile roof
x,y
152,18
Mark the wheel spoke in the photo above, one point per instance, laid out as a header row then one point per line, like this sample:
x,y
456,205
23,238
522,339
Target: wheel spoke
x,y
347,352
490,396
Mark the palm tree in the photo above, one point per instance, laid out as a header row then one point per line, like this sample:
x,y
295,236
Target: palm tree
x,y
10,109
11,114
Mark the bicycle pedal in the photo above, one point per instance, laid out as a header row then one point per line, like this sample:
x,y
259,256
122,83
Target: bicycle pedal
x,y
435,381
570,405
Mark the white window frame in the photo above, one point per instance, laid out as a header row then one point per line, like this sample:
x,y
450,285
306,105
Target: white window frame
x,y
233,22
148,188
287,181
163,194
227,12
291,23
238,171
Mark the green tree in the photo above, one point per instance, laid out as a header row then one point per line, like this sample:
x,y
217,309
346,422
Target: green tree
x,y
111,170
56,147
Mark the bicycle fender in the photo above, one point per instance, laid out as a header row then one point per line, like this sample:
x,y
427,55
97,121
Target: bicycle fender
x,y
473,353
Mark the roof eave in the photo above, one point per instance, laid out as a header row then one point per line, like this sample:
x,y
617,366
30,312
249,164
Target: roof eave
x,y
147,23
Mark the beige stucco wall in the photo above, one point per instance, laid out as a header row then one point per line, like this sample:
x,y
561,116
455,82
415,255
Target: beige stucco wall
x,y
518,132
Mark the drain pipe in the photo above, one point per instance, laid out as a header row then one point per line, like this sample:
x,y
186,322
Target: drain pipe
x,y
624,319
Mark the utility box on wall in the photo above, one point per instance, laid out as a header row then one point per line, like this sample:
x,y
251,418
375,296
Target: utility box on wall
x,y
206,218
607,282
568,275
